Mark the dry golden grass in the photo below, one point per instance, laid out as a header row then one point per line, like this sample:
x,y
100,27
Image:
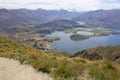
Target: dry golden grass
x,y
60,68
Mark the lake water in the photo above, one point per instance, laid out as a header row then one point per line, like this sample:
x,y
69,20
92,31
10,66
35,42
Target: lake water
x,y
71,46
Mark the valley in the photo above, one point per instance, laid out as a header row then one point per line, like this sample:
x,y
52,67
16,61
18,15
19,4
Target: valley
x,y
59,39
65,45
38,36
33,30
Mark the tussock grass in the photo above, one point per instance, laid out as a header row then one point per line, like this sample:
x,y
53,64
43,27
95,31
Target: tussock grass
x,y
60,67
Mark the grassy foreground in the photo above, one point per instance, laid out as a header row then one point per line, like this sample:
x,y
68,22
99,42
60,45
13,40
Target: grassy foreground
x,y
60,68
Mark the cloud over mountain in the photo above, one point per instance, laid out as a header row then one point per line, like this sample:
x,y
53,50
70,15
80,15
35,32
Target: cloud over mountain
x,y
61,4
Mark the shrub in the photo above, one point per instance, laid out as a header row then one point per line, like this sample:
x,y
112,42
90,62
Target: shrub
x,y
46,68
64,71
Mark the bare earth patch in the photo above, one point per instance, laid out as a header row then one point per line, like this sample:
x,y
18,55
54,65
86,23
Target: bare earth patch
x,y
12,70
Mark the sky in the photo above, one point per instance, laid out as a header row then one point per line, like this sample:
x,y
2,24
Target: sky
x,y
79,5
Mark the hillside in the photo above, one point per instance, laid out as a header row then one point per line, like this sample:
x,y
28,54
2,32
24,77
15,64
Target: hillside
x,y
111,53
19,16
59,67
101,18
60,25
25,16
28,32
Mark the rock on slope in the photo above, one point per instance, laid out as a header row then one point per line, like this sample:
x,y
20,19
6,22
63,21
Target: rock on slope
x,y
12,70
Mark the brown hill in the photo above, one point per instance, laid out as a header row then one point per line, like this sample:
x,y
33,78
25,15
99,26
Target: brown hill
x,y
111,53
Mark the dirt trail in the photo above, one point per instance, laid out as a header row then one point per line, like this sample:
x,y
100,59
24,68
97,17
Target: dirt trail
x,y
12,70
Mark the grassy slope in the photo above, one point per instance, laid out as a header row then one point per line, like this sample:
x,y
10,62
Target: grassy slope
x,y
110,53
61,68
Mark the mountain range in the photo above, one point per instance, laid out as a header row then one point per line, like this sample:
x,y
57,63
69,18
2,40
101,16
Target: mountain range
x,y
26,16
27,26
98,18
101,18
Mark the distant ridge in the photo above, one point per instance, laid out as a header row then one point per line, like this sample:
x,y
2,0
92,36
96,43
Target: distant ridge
x,y
26,16
101,18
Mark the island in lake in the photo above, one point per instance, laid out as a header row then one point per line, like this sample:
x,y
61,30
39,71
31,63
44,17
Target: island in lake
x,y
76,37
96,32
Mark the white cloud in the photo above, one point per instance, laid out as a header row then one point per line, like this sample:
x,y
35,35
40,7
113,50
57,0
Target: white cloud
x,y
60,4
110,4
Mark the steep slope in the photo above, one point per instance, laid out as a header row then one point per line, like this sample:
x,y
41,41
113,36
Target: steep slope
x,y
60,68
110,53
12,70
101,18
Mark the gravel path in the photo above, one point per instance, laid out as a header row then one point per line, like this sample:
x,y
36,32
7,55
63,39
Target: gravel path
x,y
12,70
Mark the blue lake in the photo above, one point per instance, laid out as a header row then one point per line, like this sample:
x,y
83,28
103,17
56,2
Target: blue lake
x,y
67,45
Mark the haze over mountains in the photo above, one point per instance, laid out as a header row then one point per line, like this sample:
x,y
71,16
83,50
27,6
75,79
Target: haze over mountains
x,y
99,18
25,16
